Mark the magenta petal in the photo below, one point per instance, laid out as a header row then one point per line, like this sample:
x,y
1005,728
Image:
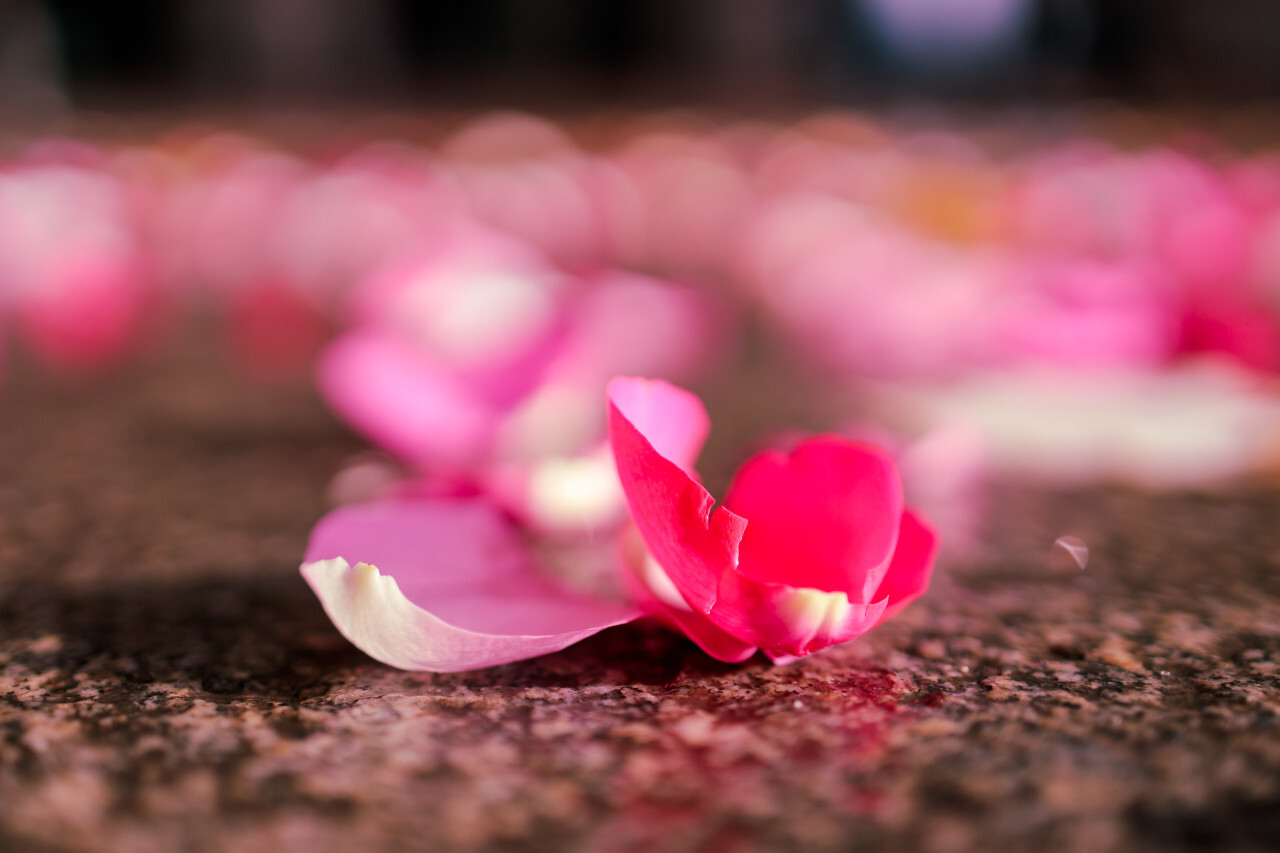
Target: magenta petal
x,y
912,566
825,516
401,401
88,313
673,421
650,587
718,643
672,511
443,586
787,621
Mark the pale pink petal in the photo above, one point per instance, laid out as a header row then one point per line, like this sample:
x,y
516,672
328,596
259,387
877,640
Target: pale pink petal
x,y
443,586
824,516
558,494
484,307
401,401
912,566
672,511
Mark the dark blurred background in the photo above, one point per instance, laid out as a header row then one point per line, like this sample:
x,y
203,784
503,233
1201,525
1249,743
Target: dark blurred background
x,y
586,53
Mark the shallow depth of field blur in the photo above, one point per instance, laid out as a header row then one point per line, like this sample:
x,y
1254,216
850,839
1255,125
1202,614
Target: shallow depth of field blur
x,y
264,263
1003,237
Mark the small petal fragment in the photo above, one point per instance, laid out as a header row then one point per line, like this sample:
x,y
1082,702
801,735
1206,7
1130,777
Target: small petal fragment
x,y
443,586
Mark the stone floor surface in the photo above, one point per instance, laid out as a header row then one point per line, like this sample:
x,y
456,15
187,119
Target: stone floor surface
x,y
169,683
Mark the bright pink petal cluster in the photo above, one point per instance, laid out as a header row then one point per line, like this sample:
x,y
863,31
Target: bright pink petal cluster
x,y
810,549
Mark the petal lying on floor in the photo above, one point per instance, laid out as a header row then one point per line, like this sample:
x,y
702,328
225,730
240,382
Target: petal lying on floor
x,y
694,545
824,516
673,421
650,587
912,566
401,401
443,586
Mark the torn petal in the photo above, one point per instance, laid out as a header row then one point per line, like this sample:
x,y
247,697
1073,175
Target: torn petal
x,y
672,510
653,590
673,421
443,586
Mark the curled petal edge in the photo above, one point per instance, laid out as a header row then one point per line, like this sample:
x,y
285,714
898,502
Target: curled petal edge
x,y
443,585
912,566
696,544
369,609
694,541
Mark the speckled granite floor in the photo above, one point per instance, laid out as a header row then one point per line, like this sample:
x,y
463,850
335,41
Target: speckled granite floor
x,y
167,682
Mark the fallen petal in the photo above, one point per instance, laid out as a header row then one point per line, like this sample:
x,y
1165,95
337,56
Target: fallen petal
x,y
912,566
824,516
673,421
399,400
673,512
443,586
652,589
789,621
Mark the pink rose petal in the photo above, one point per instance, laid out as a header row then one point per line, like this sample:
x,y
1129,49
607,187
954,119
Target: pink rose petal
x,y
629,324
824,516
90,312
651,588
672,511
912,566
443,586
673,421
812,568
275,330
401,401
790,620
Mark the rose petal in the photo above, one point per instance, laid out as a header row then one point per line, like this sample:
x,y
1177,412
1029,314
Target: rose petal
x,y
89,312
825,516
401,401
695,545
673,421
912,566
790,621
631,324
442,586
651,588
577,494
275,329
480,306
